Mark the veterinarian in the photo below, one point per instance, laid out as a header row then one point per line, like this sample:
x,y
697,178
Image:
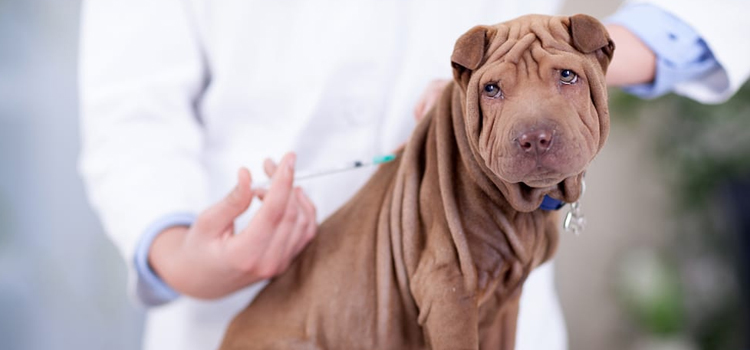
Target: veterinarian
x,y
176,96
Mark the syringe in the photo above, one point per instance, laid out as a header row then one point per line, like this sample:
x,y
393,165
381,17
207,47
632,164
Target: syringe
x,y
349,166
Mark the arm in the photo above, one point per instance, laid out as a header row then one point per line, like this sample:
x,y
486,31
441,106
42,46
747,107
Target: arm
x,y
633,63
142,74
693,51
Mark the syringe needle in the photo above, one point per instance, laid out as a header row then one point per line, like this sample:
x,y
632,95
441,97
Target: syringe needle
x,y
351,166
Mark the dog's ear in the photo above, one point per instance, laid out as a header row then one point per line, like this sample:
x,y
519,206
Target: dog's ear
x,y
469,53
589,35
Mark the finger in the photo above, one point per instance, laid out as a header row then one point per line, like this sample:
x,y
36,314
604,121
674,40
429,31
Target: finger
x,y
259,232
273,246
399,148
260,193
277,249
419,108
429,103
269,167
429,97
220,216
277,196
310,228
290,231
297,234
309,209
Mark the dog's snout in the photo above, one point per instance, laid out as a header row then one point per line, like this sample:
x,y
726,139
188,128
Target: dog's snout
x,y
536,141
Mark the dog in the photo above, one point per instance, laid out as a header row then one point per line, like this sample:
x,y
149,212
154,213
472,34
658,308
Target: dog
x,y
433,251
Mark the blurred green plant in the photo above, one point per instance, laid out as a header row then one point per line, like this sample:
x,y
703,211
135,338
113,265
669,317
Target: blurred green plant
x,y
706,145
700,146
700,149
649,287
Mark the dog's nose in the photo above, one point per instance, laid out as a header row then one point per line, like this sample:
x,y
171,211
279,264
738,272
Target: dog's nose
x,y
535,141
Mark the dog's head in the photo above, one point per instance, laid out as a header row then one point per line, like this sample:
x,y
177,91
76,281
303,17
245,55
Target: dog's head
x,y
535,102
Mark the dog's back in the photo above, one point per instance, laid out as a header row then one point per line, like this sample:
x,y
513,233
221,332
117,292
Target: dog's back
x,y
340,293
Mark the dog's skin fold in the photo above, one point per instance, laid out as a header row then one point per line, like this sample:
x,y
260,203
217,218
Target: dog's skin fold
x,y
432,252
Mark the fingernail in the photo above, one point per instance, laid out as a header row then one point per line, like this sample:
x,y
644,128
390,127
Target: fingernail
x,y
290,168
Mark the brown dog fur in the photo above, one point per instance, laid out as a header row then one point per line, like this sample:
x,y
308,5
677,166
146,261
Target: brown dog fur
x,y
432,252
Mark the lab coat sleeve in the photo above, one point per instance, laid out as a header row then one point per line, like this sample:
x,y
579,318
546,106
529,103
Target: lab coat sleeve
x,y
149,287
141,74
723,27
681,54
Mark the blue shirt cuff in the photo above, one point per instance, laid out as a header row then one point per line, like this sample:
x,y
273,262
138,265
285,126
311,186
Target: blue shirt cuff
x,y
681,53
150,288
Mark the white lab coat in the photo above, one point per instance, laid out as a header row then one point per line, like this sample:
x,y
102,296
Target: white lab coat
x,y
177,95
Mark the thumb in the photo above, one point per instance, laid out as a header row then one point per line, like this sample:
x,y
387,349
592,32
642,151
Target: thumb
x,y
217,218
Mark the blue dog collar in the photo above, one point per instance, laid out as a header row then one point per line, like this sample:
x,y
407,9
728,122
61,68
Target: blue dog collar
x,y
549,203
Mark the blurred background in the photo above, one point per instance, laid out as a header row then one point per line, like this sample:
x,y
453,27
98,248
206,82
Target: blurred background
x,y
62,284
662,264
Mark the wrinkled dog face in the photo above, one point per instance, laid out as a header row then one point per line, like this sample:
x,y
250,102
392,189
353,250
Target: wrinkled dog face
x,y
536,102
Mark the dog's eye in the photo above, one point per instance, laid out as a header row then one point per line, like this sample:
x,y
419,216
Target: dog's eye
x,y
492,90
567,76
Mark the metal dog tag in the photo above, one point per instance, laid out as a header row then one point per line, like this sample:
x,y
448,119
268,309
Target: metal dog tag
x,y
575,221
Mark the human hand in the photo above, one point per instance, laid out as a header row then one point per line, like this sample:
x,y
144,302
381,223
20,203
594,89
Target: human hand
x,y
428,98
207,260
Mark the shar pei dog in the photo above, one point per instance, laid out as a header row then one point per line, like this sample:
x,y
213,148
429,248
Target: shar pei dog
x,y
433,251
